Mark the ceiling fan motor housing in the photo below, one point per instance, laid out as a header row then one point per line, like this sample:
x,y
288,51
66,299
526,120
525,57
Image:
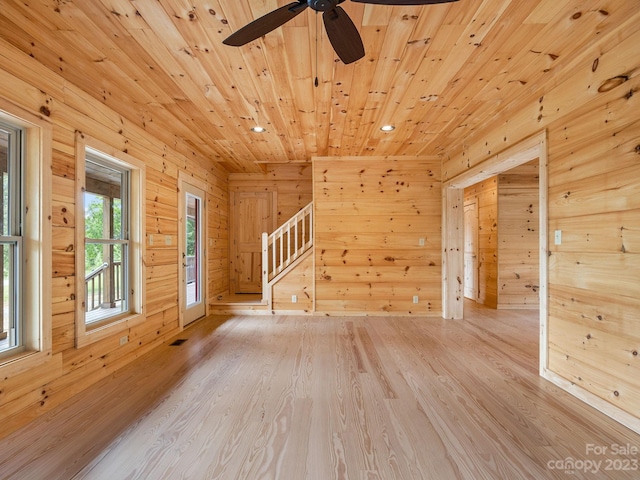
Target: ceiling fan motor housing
x,y
323,5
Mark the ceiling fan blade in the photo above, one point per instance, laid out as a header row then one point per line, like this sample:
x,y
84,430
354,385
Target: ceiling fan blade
x,y
265,24
404,2
343,35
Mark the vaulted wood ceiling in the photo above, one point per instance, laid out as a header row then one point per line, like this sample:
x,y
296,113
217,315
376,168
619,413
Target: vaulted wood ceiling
x,y
439,73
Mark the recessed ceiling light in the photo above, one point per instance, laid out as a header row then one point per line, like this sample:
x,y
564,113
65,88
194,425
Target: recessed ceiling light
x,y
258,129
387,128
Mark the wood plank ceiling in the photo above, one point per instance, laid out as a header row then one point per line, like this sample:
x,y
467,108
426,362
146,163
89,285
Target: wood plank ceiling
x,y
439,73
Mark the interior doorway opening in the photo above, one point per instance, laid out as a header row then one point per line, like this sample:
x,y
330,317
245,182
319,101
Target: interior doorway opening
x,y
453,227
501,223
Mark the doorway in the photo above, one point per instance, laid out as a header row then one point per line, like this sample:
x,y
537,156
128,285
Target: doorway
x,y
192,252
534,147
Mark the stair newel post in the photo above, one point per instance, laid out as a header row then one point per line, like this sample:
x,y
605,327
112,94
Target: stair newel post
x,y
266,291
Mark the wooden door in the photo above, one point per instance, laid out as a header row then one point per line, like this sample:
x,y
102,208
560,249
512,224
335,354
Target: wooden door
x,y
471,250
252,214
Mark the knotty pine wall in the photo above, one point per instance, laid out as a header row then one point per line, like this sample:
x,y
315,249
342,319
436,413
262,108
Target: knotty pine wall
x,y
591,115
486,195
518,237
291,181
27,84
370,214
298,282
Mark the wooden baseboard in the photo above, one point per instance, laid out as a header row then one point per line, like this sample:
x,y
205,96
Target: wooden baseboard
x,y
616,413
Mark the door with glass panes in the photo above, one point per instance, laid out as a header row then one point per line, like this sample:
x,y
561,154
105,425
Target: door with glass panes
x,y
193,253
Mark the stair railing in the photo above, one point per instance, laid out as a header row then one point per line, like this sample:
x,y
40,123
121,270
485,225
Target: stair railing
x,y
287,243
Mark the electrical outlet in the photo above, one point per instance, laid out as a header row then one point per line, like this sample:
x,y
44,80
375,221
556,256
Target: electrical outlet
x,y
421,242
150,239
294,299
415,299
124,340
167,240
558,237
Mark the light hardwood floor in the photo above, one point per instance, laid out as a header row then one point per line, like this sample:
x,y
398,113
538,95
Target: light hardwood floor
x,y
327,398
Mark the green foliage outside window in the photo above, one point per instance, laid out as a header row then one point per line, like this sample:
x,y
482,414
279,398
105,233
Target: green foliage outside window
x,y
95,228
191,236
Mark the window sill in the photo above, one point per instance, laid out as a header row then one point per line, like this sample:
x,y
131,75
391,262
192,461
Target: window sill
x,y
108,328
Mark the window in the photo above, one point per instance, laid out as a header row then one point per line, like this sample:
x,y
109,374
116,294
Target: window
x,y
109,232
106,244
25,239
11,254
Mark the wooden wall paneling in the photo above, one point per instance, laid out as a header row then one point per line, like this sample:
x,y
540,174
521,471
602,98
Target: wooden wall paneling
x,y
63,331
18,394
71,110
486,193
63,294
358,213
575,94
518,237
298,282
592,196
292,182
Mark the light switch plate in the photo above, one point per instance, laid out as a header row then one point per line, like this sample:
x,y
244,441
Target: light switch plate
x,y
558,237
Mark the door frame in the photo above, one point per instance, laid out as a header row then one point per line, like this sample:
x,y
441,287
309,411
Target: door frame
x,y
453,228
183,179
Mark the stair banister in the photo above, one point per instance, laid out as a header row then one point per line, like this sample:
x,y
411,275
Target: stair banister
x,y
281,248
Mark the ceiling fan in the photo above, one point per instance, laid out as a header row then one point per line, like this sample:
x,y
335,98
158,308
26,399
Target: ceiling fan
x,y
342,33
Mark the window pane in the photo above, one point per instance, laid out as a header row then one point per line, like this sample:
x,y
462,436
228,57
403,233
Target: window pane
x,y
94,225
4,171
9,327
103,201
193,250
105,281
106,269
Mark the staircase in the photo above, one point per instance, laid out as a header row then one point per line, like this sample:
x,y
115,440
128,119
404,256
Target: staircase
x,y
282,249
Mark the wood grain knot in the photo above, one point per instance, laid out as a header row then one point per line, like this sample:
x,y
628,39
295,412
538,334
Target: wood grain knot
x,y
612,83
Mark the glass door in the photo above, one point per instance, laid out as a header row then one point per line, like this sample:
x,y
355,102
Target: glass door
x,y
193,258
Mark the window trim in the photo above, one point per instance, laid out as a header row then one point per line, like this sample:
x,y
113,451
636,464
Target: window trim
x,y
88,334
36,240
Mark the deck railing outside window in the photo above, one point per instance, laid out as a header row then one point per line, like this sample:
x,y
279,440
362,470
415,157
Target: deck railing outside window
x,y
96,283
